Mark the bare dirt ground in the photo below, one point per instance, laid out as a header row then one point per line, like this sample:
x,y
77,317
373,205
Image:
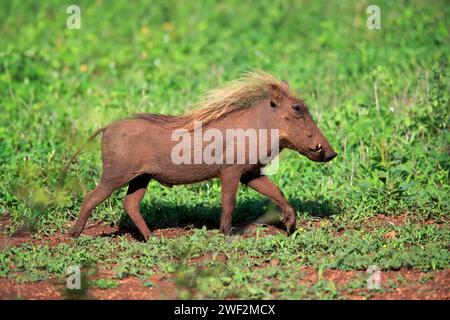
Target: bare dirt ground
x,y
401,284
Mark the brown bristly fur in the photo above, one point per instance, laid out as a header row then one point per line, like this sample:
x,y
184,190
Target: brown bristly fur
x,y
245,92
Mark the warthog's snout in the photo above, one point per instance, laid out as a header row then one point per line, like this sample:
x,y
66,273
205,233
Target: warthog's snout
x,y
330,156
323,153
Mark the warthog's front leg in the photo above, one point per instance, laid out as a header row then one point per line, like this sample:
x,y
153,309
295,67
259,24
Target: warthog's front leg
x,y
230,184
263,185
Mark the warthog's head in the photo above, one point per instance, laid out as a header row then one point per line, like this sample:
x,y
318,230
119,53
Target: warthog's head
x,y
298,130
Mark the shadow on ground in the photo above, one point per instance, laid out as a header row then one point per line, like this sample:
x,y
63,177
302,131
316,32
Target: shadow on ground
x,y
251,212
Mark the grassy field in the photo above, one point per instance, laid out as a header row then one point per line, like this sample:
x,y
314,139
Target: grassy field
x,y
380,96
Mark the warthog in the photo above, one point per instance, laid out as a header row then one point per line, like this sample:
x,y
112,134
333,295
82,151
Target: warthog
x,y
141,148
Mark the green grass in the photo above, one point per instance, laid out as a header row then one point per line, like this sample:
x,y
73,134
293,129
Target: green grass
x,y
57,86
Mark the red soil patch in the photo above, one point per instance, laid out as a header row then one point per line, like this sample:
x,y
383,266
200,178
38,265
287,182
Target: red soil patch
x,y
30,290
209,257
416,285
133,288
380,220
404,284
127,289
253,229
23,236
162,287
383,220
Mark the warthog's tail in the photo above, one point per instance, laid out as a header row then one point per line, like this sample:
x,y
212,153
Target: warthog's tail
x,y
65,169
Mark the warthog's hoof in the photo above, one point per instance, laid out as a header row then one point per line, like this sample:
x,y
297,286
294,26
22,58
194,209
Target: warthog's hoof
x,y
226,230
289,221
146,235
290,230
75,232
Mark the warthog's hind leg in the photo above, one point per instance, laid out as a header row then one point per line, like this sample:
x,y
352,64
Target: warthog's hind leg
x,y
93,199
132,201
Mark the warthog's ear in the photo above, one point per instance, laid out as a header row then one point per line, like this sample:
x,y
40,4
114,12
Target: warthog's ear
x,y
286,83
276,95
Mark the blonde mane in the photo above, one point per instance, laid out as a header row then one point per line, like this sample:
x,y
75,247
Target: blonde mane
x,y
243,93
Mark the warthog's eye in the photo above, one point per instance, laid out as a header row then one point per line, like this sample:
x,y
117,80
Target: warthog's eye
x,y
298,109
